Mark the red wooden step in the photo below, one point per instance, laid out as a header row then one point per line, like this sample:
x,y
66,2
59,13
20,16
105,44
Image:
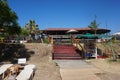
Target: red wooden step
x,y
70,52
66,55
67,58
66,52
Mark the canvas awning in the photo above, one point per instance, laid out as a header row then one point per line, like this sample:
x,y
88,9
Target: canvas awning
x,y
103,36
87,36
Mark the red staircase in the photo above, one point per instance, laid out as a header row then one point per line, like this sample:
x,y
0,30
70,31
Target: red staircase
x,y
65,52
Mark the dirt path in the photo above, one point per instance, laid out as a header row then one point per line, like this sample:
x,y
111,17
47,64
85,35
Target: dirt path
x,y
46,68
77,70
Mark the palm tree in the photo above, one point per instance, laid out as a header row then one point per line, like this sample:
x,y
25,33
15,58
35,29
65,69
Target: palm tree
x,y
94,26
32,28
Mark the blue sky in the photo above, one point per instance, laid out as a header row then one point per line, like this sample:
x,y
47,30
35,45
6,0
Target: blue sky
x,y
68,13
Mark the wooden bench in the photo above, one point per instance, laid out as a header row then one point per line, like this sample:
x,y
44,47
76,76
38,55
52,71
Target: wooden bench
x,y
3,69
26,74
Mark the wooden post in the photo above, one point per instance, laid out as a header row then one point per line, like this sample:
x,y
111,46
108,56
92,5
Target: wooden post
x,y
113,53
96,52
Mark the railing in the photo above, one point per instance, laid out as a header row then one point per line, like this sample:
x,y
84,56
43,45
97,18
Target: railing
x,y
76,43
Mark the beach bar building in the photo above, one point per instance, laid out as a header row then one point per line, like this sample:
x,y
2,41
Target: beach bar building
x,y
65,38
64,34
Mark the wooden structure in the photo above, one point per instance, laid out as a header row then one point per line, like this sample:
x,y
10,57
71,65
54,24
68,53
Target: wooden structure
x,y
62,35
62,31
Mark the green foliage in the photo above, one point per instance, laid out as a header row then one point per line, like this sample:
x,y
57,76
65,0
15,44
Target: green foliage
x,y
94,25
13,30
45,40
10,52
8,19
114,40
31,26
24,32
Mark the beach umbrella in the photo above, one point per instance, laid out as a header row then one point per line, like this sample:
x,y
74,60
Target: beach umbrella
x,y
72,31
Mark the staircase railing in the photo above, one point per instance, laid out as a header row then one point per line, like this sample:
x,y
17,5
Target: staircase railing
x,y
78,44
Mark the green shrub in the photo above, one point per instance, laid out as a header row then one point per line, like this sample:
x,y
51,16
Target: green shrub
x,y
45,40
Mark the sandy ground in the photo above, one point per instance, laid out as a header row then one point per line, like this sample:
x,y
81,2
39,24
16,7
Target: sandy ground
x,y
111,70
46,68
49,70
